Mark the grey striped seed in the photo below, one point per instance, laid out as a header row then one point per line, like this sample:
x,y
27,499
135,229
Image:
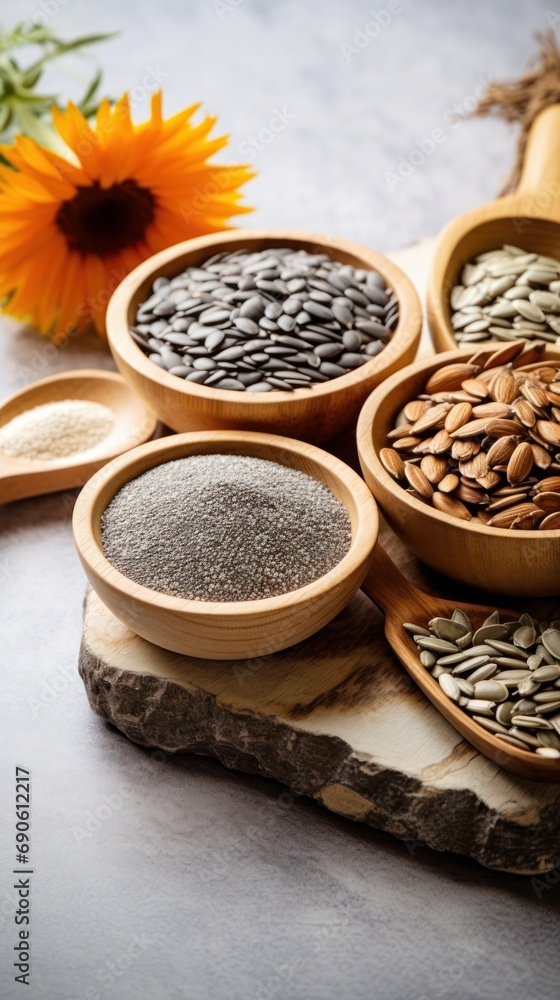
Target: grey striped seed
x,y
520,706
232,298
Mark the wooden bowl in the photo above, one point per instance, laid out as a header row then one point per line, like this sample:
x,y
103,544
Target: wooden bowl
x,y
316,414
135,423
227,630
530,219
499,560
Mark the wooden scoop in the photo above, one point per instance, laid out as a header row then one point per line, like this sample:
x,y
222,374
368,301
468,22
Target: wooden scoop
x,y
529,219
134,424
402,602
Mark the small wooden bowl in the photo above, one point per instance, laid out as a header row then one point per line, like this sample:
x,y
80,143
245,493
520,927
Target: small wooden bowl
x,y
135,423
499,560
227,630
529,218
316,414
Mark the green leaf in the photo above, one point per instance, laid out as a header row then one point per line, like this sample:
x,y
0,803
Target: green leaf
x,y
5,117
22,107
61,48
91,90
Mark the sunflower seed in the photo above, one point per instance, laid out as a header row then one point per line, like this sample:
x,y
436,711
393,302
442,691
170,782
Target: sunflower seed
x,y
521,706
233,298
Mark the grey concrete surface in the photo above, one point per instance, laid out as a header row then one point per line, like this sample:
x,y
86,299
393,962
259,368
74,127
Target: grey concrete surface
x,y
161,878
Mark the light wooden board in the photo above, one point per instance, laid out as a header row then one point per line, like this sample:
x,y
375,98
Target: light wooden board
x,y
334,717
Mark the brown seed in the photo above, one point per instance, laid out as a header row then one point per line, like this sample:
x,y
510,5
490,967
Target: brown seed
x,y
504,389
474,467
414,410
392,462
536,396
431,418
549,432
441,442
491,410
406,443
541,456
449,505
551,483
462,451
417,480
524,412
553,398
507,491
545,374
501,451
551,522
450,377
457,416
520,463
475,388
461,397
499,428
505,354
507,500
482,515
448,483
489,481
548,501
469,495
471,429
528,522
530,354
433,467
504,518
402,430
424,448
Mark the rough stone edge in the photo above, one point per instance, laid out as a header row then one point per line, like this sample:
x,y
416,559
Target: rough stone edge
x,y
143,706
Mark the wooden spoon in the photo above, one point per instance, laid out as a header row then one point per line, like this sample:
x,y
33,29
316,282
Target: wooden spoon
x,y
529,219
402,602
134,424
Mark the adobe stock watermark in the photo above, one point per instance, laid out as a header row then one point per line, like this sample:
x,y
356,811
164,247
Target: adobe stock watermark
x,y
102,813
365,34
223,8
542,883
45,12
108,974
424,148
250,147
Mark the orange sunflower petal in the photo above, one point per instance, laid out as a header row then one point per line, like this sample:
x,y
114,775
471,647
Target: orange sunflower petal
x,y
72,227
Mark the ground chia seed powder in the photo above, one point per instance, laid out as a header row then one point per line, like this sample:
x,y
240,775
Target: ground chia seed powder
x,y
224,528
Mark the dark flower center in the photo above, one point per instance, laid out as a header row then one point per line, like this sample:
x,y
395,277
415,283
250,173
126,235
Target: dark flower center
x,y
103,221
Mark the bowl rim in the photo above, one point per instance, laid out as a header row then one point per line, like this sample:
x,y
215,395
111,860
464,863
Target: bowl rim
x,y
405,335
370,460
102,487
454,233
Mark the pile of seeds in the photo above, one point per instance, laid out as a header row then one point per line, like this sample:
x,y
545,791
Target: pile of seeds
x,y
225,528
506,294
277,319
56,430
506,675
483,440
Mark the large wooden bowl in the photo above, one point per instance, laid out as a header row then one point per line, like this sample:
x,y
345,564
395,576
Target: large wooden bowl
x,y
229,630
499,560
315,414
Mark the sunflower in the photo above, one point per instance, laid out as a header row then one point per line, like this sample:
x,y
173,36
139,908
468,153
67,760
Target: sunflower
x,y
72,228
